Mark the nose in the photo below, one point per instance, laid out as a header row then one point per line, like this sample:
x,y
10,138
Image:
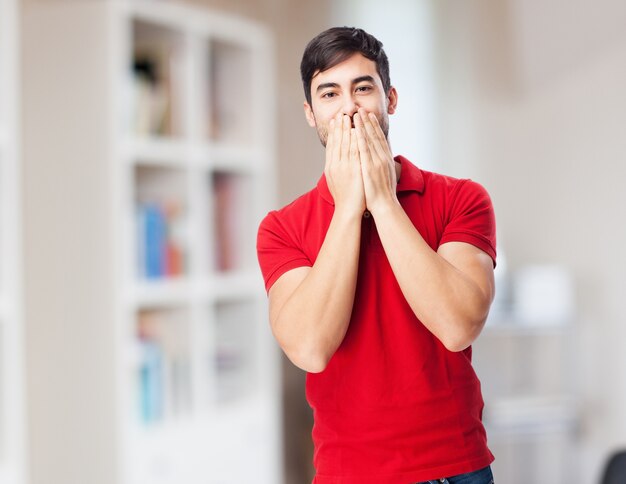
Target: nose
x,y
350,106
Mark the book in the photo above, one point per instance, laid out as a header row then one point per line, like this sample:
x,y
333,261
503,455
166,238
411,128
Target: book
x,y
164,364
155,241
160,240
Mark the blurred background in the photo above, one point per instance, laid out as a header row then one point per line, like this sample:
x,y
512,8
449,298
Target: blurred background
x,y
141,142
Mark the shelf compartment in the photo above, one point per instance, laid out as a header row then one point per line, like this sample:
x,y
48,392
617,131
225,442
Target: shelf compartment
x,y
234,221
161,222
234,352
163,292
497,355
157,80
155,151
547,457
232,284
163,371
527,415
229,157
230,89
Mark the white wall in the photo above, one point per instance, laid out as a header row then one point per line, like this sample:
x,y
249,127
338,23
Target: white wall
x,y
556,164
405,27
68,268
545,131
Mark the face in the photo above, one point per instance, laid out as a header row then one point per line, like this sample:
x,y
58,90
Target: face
x,y
346,87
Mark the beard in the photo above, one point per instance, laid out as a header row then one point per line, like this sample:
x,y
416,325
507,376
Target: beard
x,y
383,121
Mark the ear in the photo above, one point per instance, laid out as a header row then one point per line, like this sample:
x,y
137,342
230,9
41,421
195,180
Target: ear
x,y
310,116
392,100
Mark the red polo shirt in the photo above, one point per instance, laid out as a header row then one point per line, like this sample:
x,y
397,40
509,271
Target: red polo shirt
x,y
393,406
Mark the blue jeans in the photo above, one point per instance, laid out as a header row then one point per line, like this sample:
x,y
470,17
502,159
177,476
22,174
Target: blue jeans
x,y
483,476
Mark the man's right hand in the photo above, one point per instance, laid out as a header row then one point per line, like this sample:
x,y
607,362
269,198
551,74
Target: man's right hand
x,y
343,166
310,307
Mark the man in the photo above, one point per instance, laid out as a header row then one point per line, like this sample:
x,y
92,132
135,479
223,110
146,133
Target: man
x,y
379,279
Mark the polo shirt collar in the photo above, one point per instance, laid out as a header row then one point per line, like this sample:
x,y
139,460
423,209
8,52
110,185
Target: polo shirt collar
x,y
411,180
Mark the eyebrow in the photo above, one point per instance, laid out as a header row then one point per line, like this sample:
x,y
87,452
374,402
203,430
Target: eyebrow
x,y
326,85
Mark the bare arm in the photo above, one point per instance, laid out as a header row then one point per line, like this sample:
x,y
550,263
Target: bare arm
x,y
450,290
310,307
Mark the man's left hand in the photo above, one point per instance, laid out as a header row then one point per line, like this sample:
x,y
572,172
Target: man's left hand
x,y
377,164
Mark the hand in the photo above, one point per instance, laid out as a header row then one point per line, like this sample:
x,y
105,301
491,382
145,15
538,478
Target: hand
x,y
343,169
377,164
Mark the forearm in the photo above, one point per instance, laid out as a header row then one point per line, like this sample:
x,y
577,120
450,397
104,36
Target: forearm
x,y
311,324
448,302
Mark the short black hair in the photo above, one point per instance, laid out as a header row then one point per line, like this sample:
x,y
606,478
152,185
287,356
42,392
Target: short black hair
x,y
334,46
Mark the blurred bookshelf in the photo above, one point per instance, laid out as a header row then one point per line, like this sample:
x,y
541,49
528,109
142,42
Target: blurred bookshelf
x,y
189,148
12,422
532,412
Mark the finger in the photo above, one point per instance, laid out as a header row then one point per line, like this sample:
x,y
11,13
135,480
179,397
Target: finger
x,y
337,132
380,144
378,141
362,143
354,148
345,137
330,141
369,134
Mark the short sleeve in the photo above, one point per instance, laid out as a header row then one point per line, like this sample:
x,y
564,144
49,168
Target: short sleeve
x,y
471,218
277,250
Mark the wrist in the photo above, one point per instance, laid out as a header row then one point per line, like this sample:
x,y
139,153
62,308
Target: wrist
x,y
383,206
348,212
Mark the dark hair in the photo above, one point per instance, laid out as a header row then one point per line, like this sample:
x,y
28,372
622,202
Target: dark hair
x,y
334,46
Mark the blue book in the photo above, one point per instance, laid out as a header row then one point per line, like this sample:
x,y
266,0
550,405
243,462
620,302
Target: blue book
x,y
151,382
155,240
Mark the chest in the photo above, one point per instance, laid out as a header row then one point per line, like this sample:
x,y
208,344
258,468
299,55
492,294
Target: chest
x,y
428,222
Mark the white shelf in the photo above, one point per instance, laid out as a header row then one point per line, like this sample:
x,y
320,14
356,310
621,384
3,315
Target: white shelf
x,y
160,293
204,298
531,411
232,286
169,14
230,158
235,459
531,415
508,328
155,151
174,153
153,201
221,287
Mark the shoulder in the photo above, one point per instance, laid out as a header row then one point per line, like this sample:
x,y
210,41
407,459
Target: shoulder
x,y
454,190
439,181
468,213
291,213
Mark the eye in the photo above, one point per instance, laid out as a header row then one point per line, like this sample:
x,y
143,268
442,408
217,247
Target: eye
x,y
328,95
364,88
